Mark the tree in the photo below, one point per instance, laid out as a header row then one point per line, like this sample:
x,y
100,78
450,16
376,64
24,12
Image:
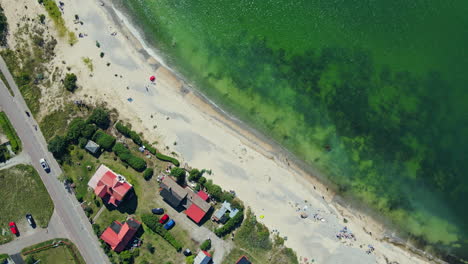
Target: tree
x,y
100,117
179,173
89,131
104,140
58,146
70,82
75,129
3,28
30,260
206,245
4,153
194,175
82,142
148,173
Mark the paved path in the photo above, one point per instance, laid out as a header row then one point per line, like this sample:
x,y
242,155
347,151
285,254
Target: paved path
x,y
22,158
78,228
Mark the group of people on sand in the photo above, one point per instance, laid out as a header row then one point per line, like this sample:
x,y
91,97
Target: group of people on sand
x,y
345,234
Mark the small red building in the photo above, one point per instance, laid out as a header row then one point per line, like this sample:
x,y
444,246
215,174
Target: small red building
x,y
118,235
108,185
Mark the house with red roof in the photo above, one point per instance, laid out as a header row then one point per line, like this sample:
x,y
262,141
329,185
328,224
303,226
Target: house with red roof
x,y
108,185
203,257
196,204
118,235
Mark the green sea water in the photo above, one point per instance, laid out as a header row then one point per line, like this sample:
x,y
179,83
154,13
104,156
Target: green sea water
x,y
373,93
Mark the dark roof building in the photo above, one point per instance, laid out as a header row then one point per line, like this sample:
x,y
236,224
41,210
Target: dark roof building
x,y
118,235
243,260
175,195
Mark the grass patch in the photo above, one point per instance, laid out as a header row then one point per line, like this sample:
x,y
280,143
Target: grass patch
x,y
10,132
3,257
2,76
23,192
55,122
89,63
54,13
253,240
65,252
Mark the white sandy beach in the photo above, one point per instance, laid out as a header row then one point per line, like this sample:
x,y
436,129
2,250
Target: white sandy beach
x,y
172,114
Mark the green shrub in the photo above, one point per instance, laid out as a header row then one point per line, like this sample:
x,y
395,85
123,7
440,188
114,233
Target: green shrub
x,y
148,173
3,28
104,140
127,132
70,82
230,225
190,259
150,148
42,18
126,156
167,158
206,245
100,117
214,190
153,224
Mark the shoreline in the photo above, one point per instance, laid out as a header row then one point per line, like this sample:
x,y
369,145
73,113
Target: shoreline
x,y
260,142
239,154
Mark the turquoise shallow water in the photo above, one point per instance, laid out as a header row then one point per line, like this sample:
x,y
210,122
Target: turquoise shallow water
x,y
371,92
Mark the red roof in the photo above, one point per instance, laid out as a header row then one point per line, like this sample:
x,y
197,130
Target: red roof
x,y
109,187
206,253
195,213
118,235
203,195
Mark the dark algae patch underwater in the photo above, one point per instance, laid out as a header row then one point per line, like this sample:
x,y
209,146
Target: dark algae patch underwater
x,y
373,93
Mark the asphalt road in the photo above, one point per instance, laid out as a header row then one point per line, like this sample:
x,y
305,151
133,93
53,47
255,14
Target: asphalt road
x,y
67,208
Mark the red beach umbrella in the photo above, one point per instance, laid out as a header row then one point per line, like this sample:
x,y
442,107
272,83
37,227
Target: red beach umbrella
x,y
152,78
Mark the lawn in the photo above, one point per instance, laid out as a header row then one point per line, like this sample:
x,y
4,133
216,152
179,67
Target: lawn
x,y
146,197
22,192
63,253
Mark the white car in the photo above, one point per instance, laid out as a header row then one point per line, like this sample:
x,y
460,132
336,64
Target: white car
x,y
44,165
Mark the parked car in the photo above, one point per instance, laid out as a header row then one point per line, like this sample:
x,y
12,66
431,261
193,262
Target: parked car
x,y
157,211
169,224
14,229
44,165
31,221
163,219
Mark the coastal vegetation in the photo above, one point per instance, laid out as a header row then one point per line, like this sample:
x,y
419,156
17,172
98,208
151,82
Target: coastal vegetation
x,y
10,133
370,112
22,192
28,61
56,16
70,82
3,28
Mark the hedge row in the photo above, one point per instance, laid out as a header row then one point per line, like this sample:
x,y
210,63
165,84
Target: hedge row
x,y
10,132
126,131
167,158
126,156
230,225
153,224
104,140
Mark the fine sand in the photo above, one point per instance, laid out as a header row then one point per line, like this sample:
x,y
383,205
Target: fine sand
x,y
181,121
